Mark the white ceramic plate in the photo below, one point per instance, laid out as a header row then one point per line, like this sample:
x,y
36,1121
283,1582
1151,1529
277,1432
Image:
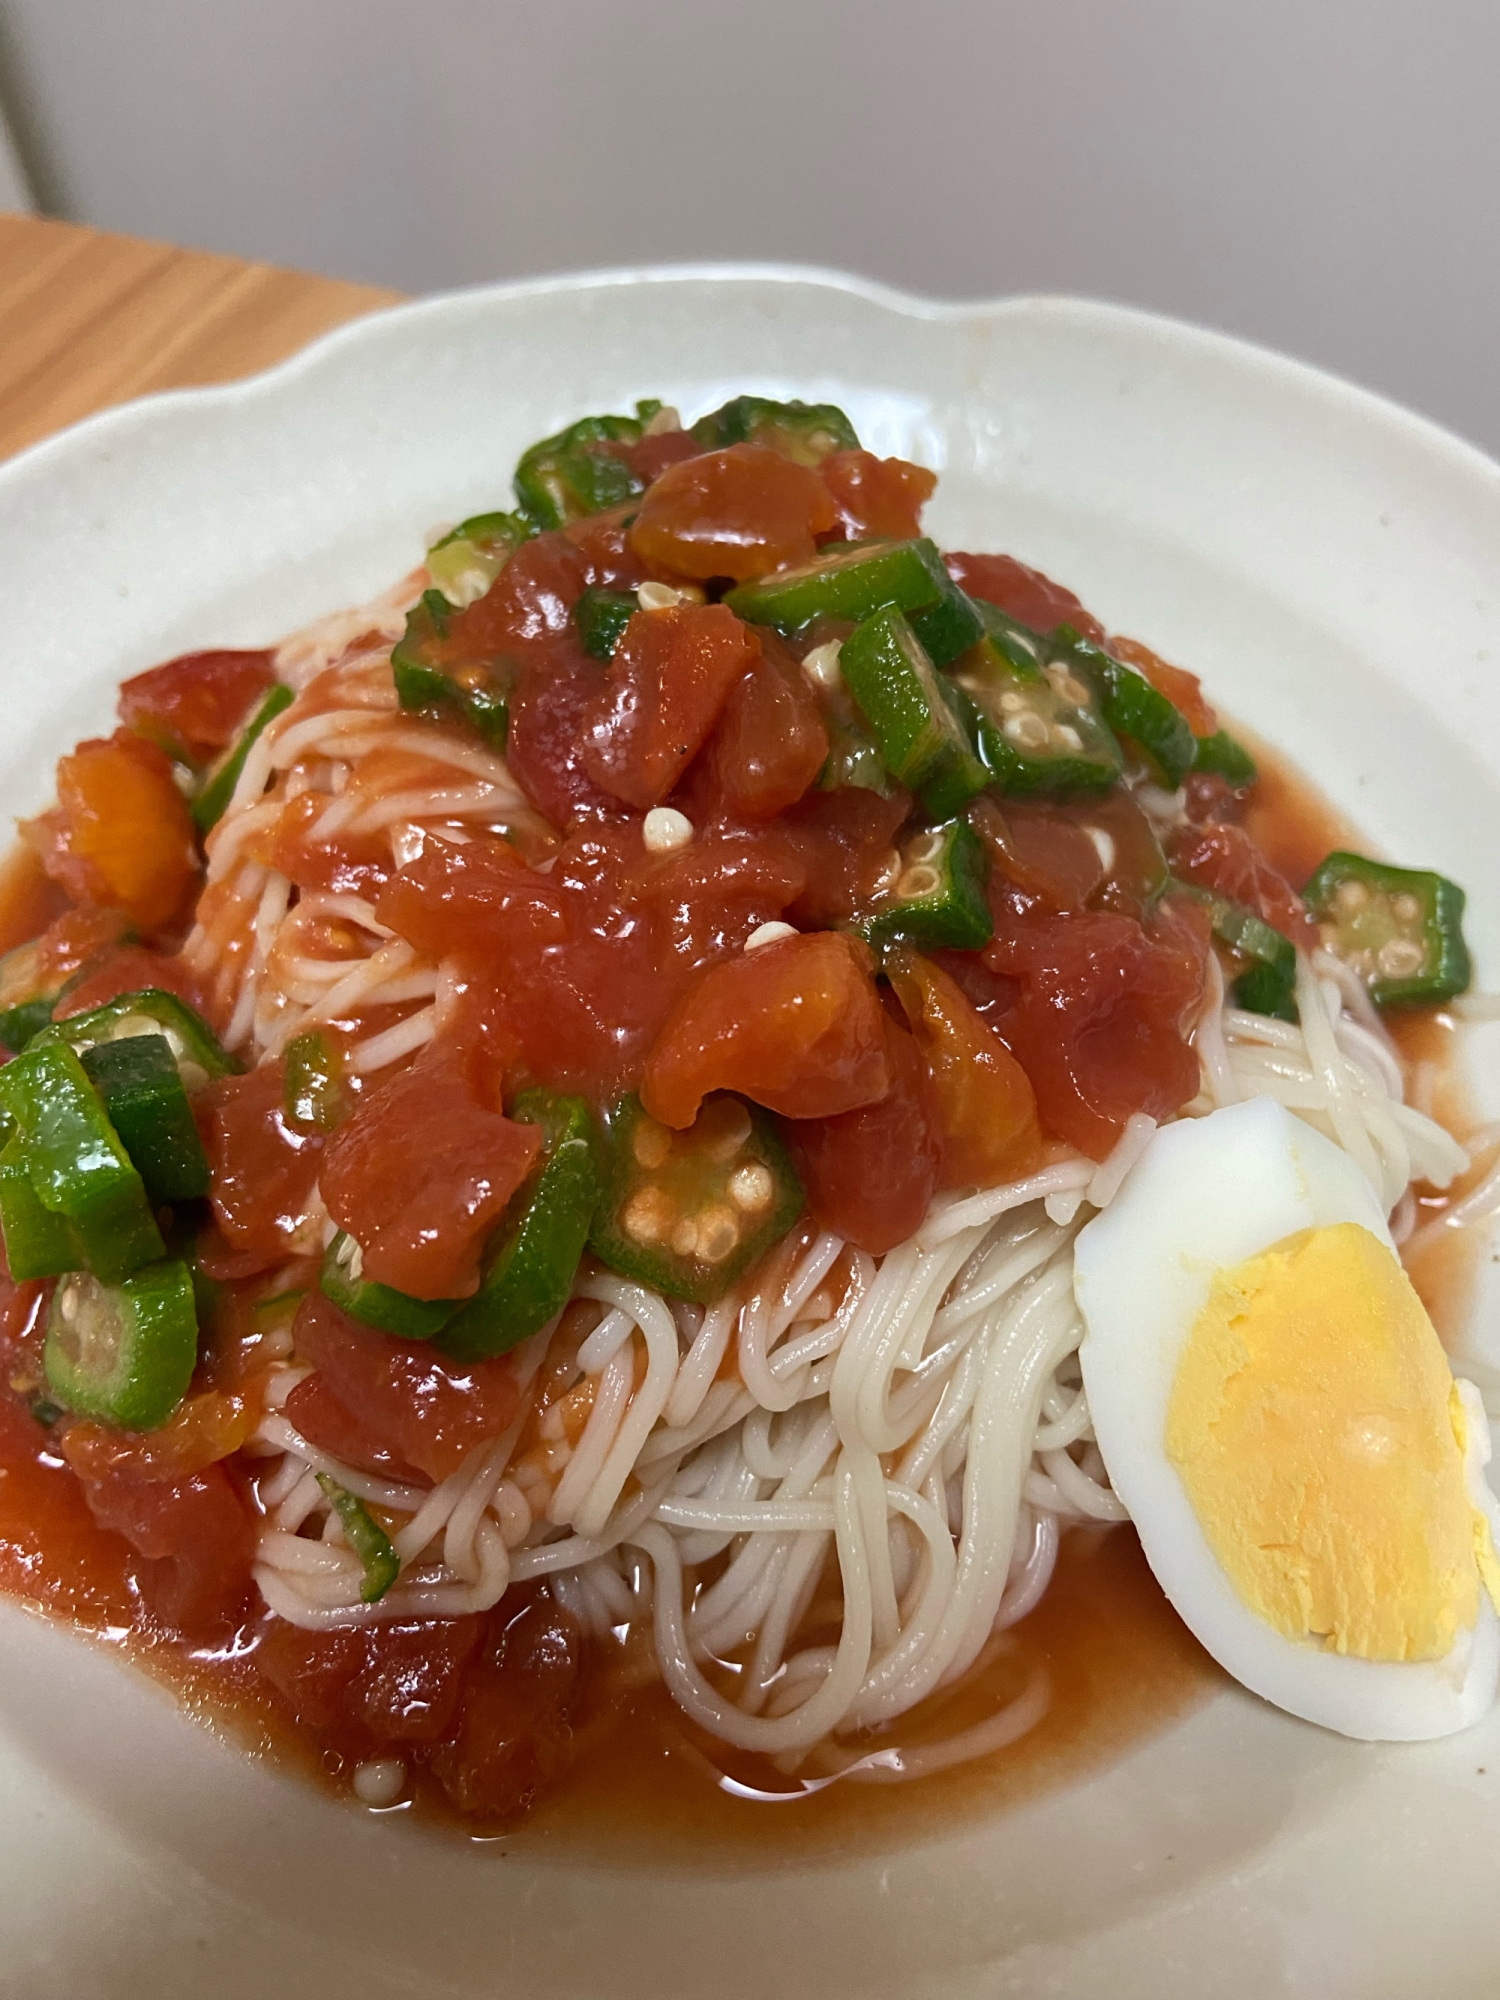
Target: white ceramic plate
x,y
1331,566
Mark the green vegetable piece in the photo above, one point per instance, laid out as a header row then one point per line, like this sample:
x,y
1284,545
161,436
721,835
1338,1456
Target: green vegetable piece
x,y
1227,759
687,1212
601,617
1268,989
19,1024
150,1011
1037,722
314,1094
342,1279
26,998
939,896
924,743
1400,929
38,1243
806,432
574,474
949,627
431,672
123,1353
854,757
1268,983
1133,709
849,582
466,561
218,789
78,1167
138,1080
367,1538
532,1258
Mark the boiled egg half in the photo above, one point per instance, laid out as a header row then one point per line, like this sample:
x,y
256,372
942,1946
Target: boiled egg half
x,y
1275,1410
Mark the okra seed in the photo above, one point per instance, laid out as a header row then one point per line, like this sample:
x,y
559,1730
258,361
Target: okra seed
x,y
1350,897
751,1187
1012,703
1068,737
1400,958
926,847
647,1216
1405,908
67,1302
718,1233
771,933
666,419
664,828
380,1782
821,664
685,1237
651,1143
918,882
351,1259
1064,683
657,597
1027,731
728,1130
1104,846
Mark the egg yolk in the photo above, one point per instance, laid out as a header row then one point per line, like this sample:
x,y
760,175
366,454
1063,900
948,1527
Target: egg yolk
x,y
1312,1422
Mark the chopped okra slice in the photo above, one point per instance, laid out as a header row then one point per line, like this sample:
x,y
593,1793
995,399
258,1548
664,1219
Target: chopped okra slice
x,y
432,672
38,1242
78,1167
1267,980
806,432
923,741
531,1260
1132,707
26,998
852,582
139,1082
1226,758
566,477
938,898
366,1537
1400,929
1038,723
949,627
687,1212
151,1011
342,1279
313,1094
467,560
218,788
123,1353
601,617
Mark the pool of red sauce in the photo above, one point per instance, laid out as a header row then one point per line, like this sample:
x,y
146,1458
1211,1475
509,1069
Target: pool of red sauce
x,y
646,1786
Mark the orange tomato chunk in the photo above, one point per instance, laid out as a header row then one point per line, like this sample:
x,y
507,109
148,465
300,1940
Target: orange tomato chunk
x,y
795,1025
195,706
120,835
877,496
986,1105
740,513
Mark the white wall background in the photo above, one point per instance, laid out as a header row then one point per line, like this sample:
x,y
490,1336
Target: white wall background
x,y
1322,175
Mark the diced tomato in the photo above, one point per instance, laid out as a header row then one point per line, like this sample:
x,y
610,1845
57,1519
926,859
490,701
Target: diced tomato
x,y
703,900
264,1167
1226,859
770,743
795,1025
195,706
554,700
71,941
651,457
1025,593
398,1683
1182,689
194,1542
877,496
847,841
514,1734
129,968
986,1107
1102,1007
670,676
398,1396
1039,854
345,865
531,602
422,1172
870,1174
739,513
203,1429
120,835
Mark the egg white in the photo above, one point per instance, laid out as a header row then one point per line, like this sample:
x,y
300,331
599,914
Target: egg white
x,y
1207,1194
